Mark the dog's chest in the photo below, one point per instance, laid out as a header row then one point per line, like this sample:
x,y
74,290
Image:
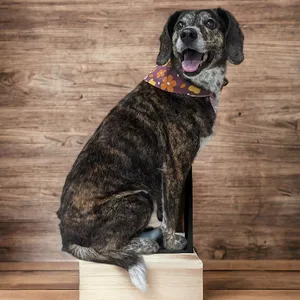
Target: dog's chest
x,y
204,141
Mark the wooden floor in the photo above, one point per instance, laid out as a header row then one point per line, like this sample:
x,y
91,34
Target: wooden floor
x,y
65,64
60,280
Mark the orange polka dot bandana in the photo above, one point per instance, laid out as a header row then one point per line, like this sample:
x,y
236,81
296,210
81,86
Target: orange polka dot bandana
x,y
167,79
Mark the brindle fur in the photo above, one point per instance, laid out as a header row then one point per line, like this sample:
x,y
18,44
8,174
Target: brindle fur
x,y
140,155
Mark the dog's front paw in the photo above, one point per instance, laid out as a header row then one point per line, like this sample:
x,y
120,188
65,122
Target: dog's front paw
x,y
174,242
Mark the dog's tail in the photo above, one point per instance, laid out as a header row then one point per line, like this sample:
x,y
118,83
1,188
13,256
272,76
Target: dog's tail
x,y
130,261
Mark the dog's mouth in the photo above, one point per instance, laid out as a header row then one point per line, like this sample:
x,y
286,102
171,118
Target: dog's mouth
x,y
193,62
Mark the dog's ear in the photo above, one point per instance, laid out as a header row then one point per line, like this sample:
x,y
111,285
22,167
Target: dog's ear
x,y
234,37
165,50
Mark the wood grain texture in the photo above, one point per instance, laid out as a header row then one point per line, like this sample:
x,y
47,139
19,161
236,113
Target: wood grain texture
x,y
208,295
251,280
38,295
39,280
39,266
251,295
65,64
250,265
169,277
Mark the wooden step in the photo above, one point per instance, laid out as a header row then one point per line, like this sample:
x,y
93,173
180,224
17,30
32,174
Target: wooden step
x,y
170,277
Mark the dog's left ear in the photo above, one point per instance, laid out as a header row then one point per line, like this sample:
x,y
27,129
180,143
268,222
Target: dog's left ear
x,y
234,37
165,50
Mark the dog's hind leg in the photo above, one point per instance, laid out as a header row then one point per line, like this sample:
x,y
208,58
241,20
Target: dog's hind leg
x,y
114,238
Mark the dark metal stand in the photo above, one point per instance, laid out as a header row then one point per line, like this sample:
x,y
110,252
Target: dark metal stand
x,y
188,212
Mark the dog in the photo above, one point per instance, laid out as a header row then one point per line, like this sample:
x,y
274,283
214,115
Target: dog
x,y
136,162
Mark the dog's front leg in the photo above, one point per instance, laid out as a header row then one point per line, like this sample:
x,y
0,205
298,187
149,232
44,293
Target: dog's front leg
x,y
172,184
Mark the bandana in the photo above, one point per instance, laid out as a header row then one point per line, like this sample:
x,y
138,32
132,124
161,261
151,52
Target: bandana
x,y
167,79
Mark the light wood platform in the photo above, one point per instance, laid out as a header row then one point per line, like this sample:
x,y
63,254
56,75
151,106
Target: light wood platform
x,y
170,277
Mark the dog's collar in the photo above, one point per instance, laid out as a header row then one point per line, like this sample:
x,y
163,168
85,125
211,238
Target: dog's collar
x,y
167,79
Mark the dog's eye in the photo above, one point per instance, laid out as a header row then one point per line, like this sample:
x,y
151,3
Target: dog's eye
x,y
180,25
211,24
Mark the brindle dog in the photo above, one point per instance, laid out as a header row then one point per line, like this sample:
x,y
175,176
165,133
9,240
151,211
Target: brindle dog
x,y
139,156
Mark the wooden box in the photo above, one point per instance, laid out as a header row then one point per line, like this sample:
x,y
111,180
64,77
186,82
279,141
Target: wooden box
x,y
171,276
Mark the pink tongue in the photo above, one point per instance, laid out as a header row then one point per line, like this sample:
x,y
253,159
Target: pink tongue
x,y
191,61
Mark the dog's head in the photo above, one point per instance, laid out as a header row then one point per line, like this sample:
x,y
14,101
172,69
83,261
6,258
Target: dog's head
x,y
200,40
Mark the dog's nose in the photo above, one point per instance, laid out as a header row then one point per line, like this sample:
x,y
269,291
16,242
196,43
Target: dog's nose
x,y
188,35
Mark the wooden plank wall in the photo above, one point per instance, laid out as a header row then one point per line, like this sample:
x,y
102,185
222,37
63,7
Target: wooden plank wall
x,y
65,64
39,280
